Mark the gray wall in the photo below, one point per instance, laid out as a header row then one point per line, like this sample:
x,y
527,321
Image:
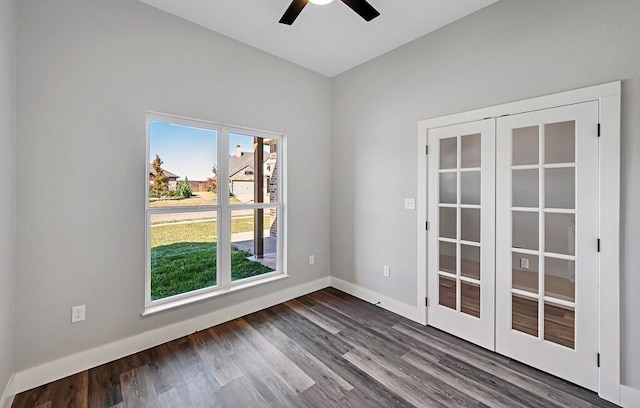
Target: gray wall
x,y
512,50
7,195
88,71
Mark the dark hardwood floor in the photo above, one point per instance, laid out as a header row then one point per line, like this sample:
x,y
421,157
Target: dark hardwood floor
x,y
326,349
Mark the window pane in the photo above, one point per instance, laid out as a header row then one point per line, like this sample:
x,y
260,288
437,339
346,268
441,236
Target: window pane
x,y
254,242
253,175
560,233
524,315
183,252
470,222
560,279
470,187
560,188
525,188
471,151
524,272
448,223
448,258
560,142
470,299
447,292
183,166
448,188
525,230
559,325
470,262
449,153
526,146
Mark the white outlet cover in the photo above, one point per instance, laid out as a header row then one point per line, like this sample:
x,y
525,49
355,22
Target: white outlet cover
x,y
312,259
524,263
386,271
78,313
409,203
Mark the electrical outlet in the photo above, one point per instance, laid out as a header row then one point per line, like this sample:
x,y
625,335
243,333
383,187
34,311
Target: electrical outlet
x,y
386,271
78,313
524,263
409,203
312,259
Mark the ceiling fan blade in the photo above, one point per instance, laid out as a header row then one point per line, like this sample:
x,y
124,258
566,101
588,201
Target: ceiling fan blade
x,y
293,11
364,9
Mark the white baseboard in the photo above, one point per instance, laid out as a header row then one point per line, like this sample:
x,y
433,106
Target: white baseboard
x,y
75,363
390,304
629,397
7,396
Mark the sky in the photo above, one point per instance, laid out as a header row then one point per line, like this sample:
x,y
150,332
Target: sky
x,y
190,152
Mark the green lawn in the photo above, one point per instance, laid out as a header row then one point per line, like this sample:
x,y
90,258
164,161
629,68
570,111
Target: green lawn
x,y
183,257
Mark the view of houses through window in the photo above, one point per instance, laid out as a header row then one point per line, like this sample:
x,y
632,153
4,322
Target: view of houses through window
x,y
213,207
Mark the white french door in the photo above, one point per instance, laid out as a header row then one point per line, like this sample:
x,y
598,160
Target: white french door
x,y
462,232
546,240
512,248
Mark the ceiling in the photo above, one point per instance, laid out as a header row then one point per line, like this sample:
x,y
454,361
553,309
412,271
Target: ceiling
x,y
327,39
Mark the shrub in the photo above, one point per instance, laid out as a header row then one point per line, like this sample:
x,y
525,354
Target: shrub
x,y
183,189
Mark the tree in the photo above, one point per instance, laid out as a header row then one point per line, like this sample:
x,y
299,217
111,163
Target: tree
x,y
212,182
184,188
160,182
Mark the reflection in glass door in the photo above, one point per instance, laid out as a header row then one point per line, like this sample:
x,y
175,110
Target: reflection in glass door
x,y
546,278
461,238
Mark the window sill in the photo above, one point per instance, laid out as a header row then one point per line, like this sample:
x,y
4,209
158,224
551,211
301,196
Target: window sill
x,y
153,309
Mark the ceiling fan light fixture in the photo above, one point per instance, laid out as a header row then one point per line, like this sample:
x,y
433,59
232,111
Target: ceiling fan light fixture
x,y
320,2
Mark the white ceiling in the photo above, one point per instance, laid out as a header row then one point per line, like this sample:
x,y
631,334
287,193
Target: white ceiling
x,y
327,39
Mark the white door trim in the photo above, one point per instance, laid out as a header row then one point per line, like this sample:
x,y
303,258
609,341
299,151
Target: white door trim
x,y
609,97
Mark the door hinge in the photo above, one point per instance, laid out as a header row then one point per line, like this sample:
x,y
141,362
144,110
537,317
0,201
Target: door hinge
x,y
426,149
598,360
427,226
599,129
598,244
426,302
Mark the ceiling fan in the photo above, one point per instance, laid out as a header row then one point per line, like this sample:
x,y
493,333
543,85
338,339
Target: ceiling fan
x,y
362,7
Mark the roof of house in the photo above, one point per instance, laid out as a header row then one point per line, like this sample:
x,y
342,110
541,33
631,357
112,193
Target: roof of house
x,y
167,173
236,164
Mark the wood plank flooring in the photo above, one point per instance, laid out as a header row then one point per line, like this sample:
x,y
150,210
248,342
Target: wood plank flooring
x,y
326,349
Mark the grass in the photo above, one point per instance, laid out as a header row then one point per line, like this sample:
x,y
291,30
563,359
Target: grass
x,y
196,200
183,257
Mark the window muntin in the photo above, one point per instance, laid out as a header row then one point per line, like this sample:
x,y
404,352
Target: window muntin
x,y
205,235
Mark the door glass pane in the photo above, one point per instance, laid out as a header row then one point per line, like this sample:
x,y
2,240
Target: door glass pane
x,y
524,272
253,244
447,292
471,151
183,252
524,315
560,233
559,325
560,279
448,222
560,188
470,223
449,153
448,258
470,299
470,262
448,188
560,142
525,188
526,146
525,230
470,187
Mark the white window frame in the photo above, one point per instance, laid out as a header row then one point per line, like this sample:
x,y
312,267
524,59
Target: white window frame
x,y
609,97
224,284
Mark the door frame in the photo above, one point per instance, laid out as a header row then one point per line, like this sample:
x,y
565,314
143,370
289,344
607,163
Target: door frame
x,y
609,107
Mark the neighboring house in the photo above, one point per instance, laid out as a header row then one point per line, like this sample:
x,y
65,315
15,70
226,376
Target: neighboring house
x,y
241,172
172,179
